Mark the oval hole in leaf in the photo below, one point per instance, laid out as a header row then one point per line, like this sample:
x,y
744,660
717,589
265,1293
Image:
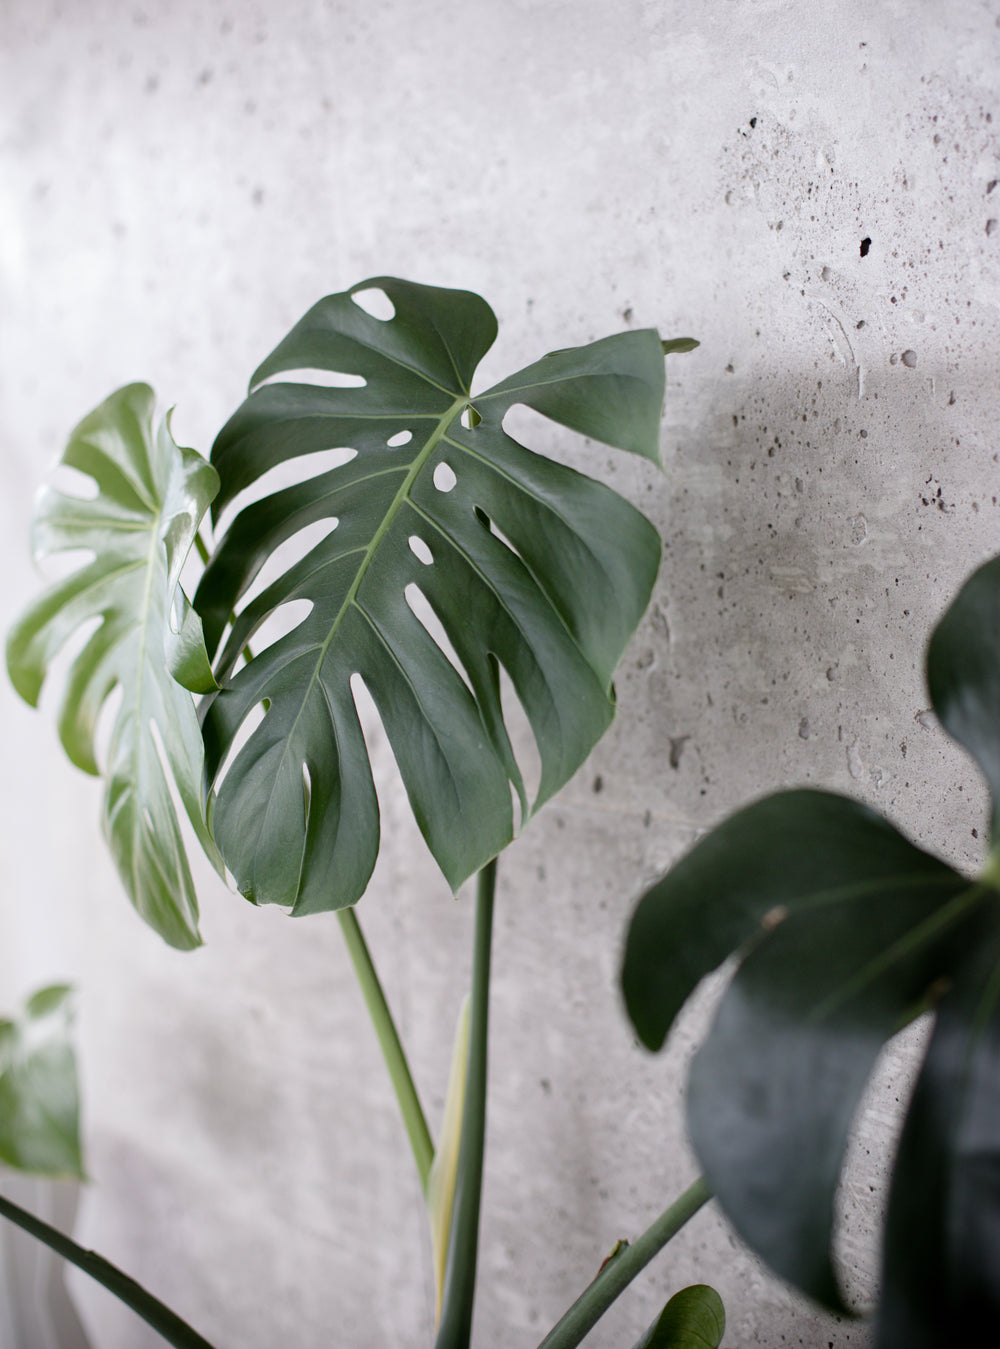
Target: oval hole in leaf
x,y
523,743
286,555
306,790
498,533
374,301
371,722
280,622
421,609
247,727
533,429
327,379
420,550
303,468
72,482
444,477
400,438
105,722
195,855
57,566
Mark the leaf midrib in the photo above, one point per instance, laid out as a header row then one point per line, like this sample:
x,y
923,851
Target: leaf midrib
x,y
430,445
154,538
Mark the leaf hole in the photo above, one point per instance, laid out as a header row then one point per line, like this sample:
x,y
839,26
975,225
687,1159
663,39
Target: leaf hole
x,y
303,468
61,665
73,482
106,719
497,533
306,791
536,431
400,438
286,555
420,550
245,730
326,379
422,611
374,301
280,621
444,477
522,741
56,566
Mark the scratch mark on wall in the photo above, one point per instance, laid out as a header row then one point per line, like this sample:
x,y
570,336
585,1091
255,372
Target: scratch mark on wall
x,y
837,334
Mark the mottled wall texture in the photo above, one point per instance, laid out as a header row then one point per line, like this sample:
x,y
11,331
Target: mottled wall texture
x,y
811,190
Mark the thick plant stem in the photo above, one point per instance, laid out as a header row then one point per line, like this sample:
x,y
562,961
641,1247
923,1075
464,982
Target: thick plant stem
x,y
622,1268
410,1108
455,1327
153,1312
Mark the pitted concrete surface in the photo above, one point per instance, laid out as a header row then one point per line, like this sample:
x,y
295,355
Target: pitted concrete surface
x,y
812,192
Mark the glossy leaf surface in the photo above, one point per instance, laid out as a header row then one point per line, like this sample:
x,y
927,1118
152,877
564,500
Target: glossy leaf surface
x,y
138,530
525,564
694,1318
39,1097
844,931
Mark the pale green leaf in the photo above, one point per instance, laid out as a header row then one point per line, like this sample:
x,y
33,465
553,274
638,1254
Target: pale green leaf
x,y
39,1097
138,529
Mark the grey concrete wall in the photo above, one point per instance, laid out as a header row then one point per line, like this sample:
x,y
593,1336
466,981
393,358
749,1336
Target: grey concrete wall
x,y
178,182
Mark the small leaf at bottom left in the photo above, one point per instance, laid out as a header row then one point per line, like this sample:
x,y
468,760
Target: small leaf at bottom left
x,y
39,1096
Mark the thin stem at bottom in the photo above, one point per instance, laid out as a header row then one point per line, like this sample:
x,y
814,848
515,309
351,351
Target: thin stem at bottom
x,y
151,1309
455,1328
622,1268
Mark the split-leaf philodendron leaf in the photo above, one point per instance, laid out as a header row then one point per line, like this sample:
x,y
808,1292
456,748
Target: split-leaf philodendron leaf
x,y
138,529
526,564
844,932
39,1098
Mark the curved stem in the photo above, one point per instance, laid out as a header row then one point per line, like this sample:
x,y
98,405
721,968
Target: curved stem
x,y
392,1049
455,1327
616,1275
153,1312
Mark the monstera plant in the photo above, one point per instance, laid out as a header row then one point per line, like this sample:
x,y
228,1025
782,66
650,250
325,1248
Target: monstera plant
x,y
844,932
375,521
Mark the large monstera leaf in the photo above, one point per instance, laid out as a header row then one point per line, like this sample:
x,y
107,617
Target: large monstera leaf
x,y
844,932
526,564
138,529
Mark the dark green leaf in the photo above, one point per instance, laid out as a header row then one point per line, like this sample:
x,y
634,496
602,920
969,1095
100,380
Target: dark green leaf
x,y
39,1099
694,1318
552,591
852,928
787,850
963,672
138,529
941,1276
